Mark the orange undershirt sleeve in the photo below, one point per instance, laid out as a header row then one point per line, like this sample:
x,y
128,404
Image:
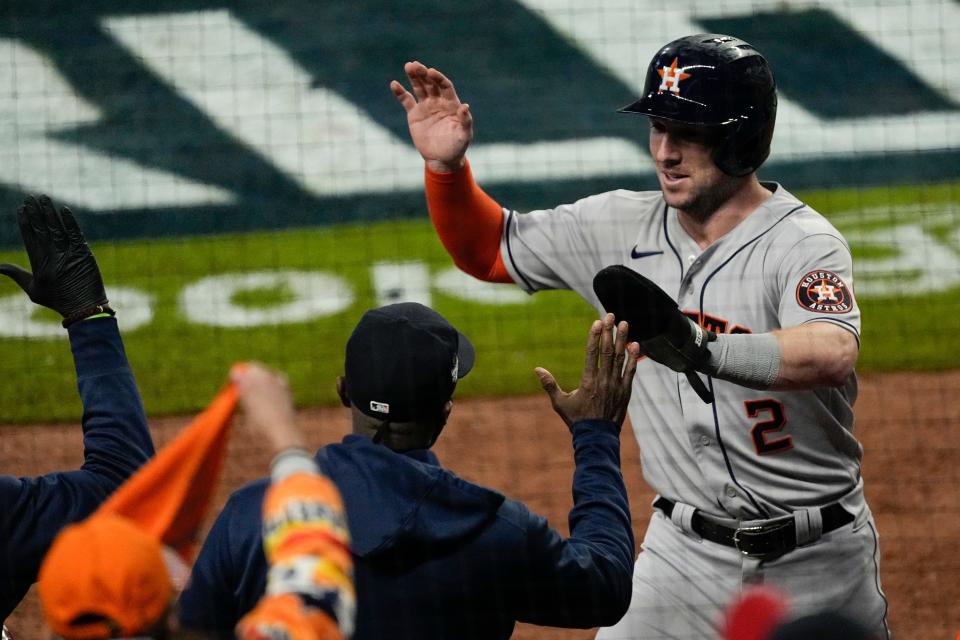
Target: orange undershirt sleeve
x,y
469,223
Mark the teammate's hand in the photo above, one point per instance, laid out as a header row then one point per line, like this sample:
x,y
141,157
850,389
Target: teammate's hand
x,y
604,390
441,126
65,275
267,405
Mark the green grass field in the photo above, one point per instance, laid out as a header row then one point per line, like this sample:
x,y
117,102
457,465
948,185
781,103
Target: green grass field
x,y
910,307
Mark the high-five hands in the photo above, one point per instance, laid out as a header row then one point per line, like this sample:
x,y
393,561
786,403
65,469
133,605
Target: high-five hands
x,y
441,126
607,379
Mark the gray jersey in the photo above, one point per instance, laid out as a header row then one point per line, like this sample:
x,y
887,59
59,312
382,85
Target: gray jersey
x,y
751,454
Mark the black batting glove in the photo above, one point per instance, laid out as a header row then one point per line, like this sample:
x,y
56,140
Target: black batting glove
x,y
682,346
665,334
65,276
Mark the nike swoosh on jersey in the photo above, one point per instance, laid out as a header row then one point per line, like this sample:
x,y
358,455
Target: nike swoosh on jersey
x,y
642,254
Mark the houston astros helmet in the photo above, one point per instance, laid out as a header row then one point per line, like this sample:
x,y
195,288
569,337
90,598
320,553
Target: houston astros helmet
x,y
717,81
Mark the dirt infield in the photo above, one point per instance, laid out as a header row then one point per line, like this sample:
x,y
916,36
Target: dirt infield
x,y
909,425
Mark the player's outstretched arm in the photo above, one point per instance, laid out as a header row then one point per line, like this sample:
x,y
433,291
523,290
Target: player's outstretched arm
x,y
304,526
590,572
812,355
216,598
441,126
468,221
65,277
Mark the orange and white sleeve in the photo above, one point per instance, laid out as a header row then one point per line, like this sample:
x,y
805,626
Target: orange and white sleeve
x,y
310,591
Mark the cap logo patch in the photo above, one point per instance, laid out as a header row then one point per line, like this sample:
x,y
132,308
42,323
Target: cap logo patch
x,y
671,77
379,407
824,292
456,368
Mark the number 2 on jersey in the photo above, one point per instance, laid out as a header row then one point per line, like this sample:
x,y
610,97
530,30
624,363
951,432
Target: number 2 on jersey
x,y
776,422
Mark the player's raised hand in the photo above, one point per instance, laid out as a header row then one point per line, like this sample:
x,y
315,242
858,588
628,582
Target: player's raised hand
x,y
607,379
65,276
441,126
267,405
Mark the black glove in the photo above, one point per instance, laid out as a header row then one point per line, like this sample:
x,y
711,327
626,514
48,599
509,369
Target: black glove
x,y
65,275
663,331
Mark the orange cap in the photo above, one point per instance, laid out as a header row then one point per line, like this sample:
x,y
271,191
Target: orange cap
x,y
286,614
111,566
126,594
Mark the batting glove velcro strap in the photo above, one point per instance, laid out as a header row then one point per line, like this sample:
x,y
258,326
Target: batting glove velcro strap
x,y
665,334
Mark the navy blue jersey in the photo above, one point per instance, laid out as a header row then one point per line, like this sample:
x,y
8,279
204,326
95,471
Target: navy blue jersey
x,y
436,556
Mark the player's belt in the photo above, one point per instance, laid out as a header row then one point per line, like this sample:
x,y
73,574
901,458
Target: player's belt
x,y
767,540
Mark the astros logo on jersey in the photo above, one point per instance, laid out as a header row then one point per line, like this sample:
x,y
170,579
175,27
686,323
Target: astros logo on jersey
x,y
672,76
823,291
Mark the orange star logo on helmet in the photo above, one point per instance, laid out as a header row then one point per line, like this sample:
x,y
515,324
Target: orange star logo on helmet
x,y
671,76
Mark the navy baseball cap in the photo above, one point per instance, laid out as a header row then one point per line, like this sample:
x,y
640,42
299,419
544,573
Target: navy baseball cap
x,y
403,362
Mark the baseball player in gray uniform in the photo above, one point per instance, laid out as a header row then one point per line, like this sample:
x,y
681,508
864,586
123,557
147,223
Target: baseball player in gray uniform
x,y
761,484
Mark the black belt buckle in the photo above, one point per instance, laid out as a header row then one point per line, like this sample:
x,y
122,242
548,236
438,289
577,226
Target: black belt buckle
x,y
766,541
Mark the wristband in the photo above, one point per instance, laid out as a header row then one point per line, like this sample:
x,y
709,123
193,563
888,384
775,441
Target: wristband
x,y
83,314
292,460
748,359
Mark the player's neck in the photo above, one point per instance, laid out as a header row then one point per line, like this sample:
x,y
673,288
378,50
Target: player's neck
x,y
707,229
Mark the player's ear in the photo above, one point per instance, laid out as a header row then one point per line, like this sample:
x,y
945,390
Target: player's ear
x,y
342,391
441,422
